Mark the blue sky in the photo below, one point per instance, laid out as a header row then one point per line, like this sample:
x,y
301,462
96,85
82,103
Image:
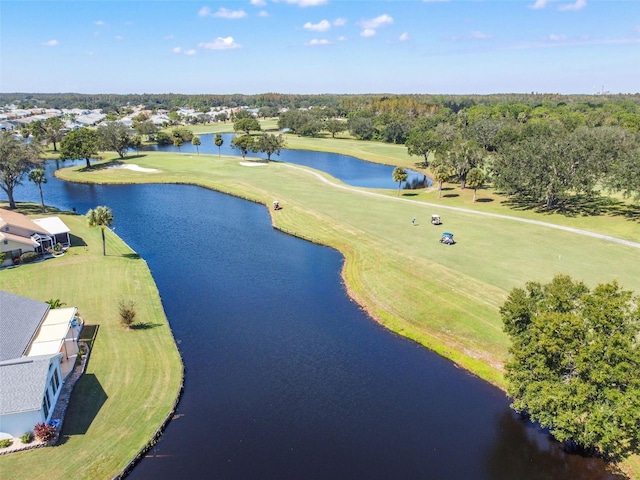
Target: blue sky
x,y
320,46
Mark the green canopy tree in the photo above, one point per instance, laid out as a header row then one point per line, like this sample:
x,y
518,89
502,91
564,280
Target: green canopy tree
x,y
441,171
38,177
244,143
574,361
17,159
218,141
54,128
246,125
177,142
269,144
333,126
115,136
399,175
195,141
475,180
79,144
101,217
422,143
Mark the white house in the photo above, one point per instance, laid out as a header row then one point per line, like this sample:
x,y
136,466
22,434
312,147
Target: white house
x,y
38,348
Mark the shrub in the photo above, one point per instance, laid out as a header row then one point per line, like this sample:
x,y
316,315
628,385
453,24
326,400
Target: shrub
x,y
27,437
28,257
44,432
127,312
5,443
3,255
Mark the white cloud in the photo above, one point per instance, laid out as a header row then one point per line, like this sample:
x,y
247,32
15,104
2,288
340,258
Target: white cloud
x,y
342,38
220,43
321,26
90,53
377,22
258,3
557,38
434,1
177,50
118,37
169,37
231,14
204,12
572,7
368,32
477,35
263,14
306,3
318,42
539,4
189,52
50,43
404,37
340,22
98,22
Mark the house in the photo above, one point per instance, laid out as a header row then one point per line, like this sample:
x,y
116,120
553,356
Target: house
x,y
38,349
19,234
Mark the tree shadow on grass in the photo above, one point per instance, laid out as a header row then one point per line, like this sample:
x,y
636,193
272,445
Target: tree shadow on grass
x,y
132,256
579,206
450,195
144,326
89,334
87,399
484,200
77,241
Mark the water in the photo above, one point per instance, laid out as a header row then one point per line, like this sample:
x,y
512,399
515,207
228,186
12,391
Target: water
x,y
349,170
286,378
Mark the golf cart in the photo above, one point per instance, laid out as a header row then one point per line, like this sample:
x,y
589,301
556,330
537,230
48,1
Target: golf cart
x,y
435,219
447,238
276,205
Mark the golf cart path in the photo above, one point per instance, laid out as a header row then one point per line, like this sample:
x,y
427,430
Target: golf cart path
x,y
473,212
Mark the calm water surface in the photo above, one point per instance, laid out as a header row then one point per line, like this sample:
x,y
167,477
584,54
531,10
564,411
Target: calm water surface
x,y
286,378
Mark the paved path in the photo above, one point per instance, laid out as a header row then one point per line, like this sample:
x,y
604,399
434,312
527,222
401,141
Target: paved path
x,y
472,212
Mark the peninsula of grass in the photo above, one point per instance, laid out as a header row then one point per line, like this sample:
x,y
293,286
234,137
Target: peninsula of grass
x,y
133,377
446,298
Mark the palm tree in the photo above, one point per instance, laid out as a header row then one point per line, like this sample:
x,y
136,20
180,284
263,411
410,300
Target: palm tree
x,y
37,177
101,217
196,142
399,175
177,142
218,141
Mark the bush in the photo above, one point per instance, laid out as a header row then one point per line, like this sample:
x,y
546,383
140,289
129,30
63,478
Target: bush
x,y
27,437
127,312
5,443
28,257
44,432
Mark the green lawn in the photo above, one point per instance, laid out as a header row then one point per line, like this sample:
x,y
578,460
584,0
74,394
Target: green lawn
x,y
133,376
446,298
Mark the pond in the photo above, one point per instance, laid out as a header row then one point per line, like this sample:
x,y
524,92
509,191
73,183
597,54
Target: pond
x,y
286,377
347,169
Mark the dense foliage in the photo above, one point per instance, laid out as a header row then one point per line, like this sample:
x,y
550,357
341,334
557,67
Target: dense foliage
x,y
574,362
16,160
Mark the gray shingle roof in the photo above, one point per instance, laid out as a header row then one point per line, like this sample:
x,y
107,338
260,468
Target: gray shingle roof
x,y
20,318
22,382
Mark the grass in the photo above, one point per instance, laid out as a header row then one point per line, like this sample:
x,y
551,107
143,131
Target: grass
x,y
133,376
446,298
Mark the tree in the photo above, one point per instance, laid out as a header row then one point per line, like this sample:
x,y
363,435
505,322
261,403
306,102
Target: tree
x,y
79,144
244,143
101,217
115,136
136,142
128,312
423,143
475,179
146,127
269,144
441,172
177,142
333,126
16,160
195,141
361,127
574,361
246,125
37,176
462,156
218,141
399,175
54,127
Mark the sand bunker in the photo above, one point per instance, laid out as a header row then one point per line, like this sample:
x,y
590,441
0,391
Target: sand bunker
x,y
136,168
253,164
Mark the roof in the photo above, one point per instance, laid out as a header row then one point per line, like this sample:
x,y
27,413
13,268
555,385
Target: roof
x,y
23,382
20,318
18,239
7,217
52,332
52,225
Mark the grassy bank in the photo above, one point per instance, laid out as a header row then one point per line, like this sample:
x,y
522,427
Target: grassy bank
x,y
133,376
446,298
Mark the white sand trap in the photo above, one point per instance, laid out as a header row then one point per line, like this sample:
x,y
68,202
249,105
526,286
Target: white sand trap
x,y
253,164
135,168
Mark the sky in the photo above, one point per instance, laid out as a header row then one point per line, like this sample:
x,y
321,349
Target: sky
x,y
320,46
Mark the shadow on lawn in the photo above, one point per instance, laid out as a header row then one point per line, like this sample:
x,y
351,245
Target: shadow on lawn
x,y
144,326
77,241
579,206
87,399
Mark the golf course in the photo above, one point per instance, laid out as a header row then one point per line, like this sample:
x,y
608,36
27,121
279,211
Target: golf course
x,y
446,298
